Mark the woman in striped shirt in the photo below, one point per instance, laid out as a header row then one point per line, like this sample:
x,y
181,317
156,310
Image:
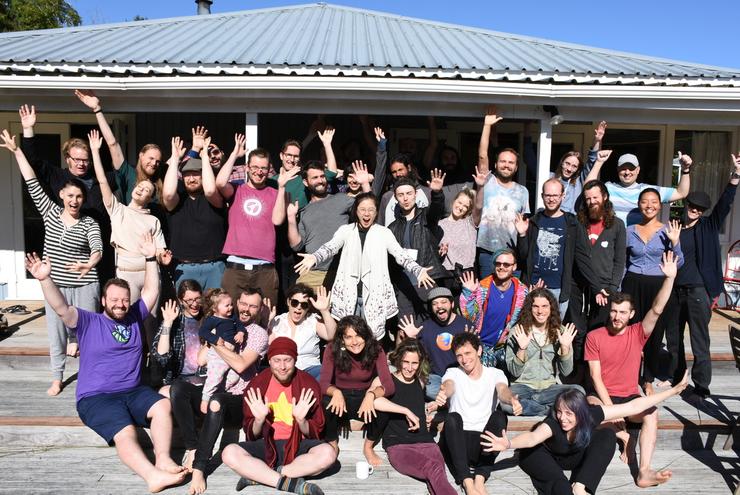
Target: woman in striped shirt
x,y
73,244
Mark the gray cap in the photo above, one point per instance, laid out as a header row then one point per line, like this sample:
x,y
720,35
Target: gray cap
x,y
700,199
628,159
439,292
192,165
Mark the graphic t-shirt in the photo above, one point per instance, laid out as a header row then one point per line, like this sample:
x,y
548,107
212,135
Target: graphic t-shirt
x,y
110,351
500,206
548,263
437,341
191,338
251,233
280,401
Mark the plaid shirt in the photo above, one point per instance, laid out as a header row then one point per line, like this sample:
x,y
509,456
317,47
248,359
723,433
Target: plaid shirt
x,y
172,362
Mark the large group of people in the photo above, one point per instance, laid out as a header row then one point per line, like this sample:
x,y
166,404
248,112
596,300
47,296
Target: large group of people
x,y
410,297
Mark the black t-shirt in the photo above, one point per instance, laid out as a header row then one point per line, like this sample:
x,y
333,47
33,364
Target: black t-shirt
x,y
689,274
558,443
197,229
409,395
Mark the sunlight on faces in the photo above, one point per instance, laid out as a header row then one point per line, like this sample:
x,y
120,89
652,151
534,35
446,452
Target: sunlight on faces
x,y
461,207
150,160
258,169
406,197
468,357
694,212
366,213
116,302
442,309
72,199
504,267
193,181
298,313
506,165
215,156
628,174
224,306
352,183
410,365
315,182
620,315
78,161
565,417
649,205
282,367
552,195
399,170
143,192
249,307
353,342
570,167
192,302
595,202
541,310
290,157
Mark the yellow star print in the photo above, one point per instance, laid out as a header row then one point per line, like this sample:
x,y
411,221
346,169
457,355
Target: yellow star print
x,y
282,410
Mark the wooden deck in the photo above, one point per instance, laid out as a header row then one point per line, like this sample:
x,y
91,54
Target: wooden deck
x,y
45,449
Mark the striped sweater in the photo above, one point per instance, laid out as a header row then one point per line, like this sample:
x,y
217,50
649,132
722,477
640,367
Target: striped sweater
x,y
64,245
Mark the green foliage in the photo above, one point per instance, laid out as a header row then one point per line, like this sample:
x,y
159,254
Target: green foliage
x,y
25,15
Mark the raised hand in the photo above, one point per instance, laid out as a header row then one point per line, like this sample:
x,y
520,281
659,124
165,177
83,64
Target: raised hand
x,y
8,141
285,176
491,117
469,281
199,136
308,262
166,257
492,443
599,132
204,150
326,136
669,266
257,404
271,309
603,155
178,148
424,280
379,134
736,162
565,338
240,145
322,300
291,209
480,178
170,311
147,248
673,232
406,324
28,116
539,285
88,98
438,180
95,140
443,248
685,161
360,173
522,337
38,268
521,223
337,405
302,407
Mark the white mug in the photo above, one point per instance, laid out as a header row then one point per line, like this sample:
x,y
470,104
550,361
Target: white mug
x,y
363,469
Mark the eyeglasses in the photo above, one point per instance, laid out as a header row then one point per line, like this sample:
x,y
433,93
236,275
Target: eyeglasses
x,y
294,303
503,264
79,161
254,168
215,151
290,156
551,196
366,210
695,208
191,301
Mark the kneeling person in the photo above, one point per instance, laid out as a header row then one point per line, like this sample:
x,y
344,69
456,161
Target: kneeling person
x,y
283,423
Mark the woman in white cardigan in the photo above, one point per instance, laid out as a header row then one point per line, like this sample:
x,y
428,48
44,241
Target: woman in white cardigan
x,y
363,285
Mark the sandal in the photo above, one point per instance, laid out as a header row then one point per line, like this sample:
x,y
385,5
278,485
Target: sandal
x,y
18,309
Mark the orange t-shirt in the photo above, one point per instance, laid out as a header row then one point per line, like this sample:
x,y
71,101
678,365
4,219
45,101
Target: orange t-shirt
x,y
280,401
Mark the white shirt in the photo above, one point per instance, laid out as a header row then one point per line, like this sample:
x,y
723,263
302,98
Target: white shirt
x,y
474,400
305,338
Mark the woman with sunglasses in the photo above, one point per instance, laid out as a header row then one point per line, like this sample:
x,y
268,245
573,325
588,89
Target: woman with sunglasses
x,y
304,326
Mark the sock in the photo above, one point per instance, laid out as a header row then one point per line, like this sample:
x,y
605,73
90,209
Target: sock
x,y
299,486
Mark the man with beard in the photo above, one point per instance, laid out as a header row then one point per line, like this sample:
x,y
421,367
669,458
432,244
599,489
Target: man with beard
x,y
110,397
605,236
446,159
699,281
321,217
499,198
613,353
215,155
436,335
417,231
197,220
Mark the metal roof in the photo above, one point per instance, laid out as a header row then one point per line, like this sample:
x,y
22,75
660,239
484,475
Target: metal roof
x,y
321,39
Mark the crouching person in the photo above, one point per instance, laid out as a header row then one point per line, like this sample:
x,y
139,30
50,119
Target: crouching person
x,y
283,423
110,397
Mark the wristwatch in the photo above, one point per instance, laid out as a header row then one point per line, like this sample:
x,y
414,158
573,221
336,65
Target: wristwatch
x,y
734,175
150,258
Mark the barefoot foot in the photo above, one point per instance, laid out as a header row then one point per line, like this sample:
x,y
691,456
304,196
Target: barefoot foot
x,y
187,460
162,479
371,456
648,388
198,483
55,389
652,478
628,446
168,465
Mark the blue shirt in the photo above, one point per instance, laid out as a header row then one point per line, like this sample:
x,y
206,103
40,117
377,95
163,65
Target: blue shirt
x,y
548,261
499,306
624,200
645,258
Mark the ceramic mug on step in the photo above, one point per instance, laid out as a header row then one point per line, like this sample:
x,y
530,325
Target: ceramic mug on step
x,y
363,469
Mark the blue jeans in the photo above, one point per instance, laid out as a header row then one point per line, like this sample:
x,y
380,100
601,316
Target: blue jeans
x,y
433,384
536,402
562,307
314,371
208,275
485,263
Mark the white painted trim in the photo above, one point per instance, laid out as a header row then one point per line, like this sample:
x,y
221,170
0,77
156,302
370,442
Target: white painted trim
x,y
544,152
251,131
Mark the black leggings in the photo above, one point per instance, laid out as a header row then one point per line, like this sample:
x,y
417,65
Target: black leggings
x,y
185,399
353,400
587,466
230,413
462,450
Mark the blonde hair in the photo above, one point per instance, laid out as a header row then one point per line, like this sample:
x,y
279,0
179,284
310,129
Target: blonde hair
x,y
211,299
74,143
468,193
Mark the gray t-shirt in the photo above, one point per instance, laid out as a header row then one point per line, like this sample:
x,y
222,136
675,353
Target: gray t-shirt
x,y
319,222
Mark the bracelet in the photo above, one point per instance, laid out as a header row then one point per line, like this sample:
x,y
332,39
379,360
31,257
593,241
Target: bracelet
x,y
508,440
371,392
686,172
98,110
734,175
150,258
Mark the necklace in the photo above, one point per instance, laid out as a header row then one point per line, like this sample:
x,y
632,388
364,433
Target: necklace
x,y
501,293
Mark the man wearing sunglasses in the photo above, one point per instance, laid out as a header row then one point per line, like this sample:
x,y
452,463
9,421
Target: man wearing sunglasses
x,y
699,281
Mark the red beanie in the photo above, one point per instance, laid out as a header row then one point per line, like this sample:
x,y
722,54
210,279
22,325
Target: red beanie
x,y
283,345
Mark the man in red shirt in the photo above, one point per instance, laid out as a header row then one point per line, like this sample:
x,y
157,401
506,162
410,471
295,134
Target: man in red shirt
x,y
613,354
283,423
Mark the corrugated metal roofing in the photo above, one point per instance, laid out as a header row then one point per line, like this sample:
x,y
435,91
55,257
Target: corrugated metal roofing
x,y
321,39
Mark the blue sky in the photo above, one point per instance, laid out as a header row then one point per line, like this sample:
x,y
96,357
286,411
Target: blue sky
x,y
704,32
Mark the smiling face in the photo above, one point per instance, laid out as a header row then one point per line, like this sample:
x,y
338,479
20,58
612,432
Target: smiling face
x,y
410,365
649,205
282,367
627,174
569,167
693,213
366,213
149,161
315,182
193,181
552,195
298,307
78,161
406,197
441,310
461,206
399,170
566,418
595,203
72,199
215,156
142,193
506,166
353,342
504,267
290,157
468,357
541,310
191,303
249,307
620,315
257,171
116,302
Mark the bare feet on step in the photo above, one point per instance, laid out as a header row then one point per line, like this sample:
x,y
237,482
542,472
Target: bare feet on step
x,y
55,389
651,477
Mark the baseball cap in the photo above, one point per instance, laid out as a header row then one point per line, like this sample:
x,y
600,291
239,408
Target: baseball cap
x,y
628,159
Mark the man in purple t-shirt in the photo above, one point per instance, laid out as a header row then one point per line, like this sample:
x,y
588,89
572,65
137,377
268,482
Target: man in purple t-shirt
x,y
110,397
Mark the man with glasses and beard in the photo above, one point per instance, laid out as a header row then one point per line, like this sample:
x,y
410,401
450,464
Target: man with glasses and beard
x,y
606,239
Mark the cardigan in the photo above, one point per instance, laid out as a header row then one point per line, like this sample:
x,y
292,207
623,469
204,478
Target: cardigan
x,y
473,305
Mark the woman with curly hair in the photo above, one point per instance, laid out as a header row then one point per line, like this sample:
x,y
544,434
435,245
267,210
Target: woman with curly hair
x,y
538,345
352,361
